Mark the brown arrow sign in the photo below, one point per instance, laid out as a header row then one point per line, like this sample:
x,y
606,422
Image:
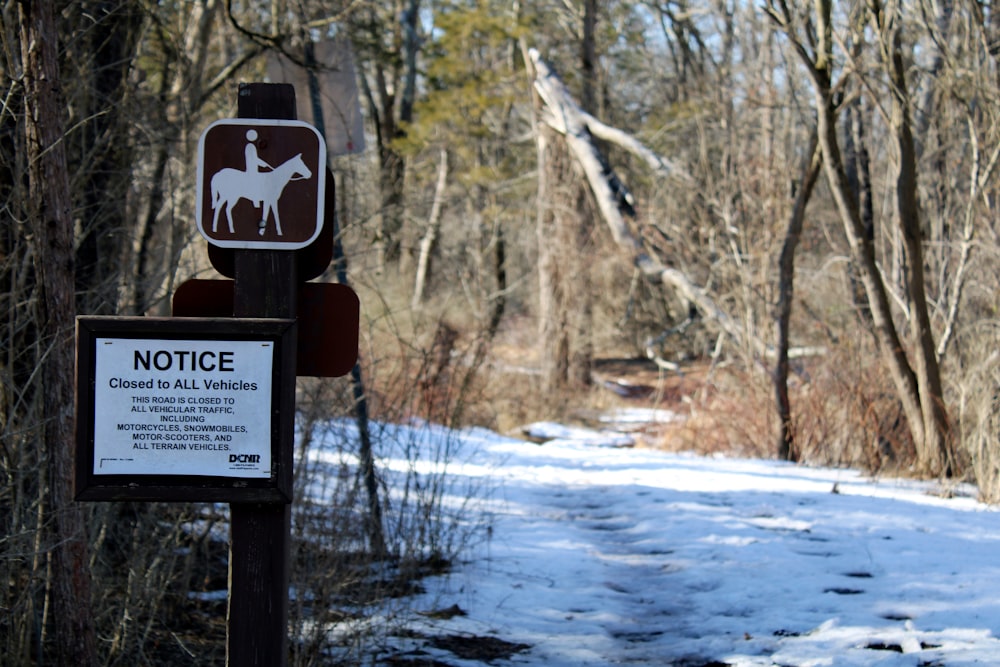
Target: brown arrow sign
x,y
329,315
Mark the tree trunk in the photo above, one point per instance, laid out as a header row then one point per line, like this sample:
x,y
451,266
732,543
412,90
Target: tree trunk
x,y
565,301
857,164
430,234
553,327
588,57
787,449
933,450
51,223
581,249
104,160
863,255
140,281
391,95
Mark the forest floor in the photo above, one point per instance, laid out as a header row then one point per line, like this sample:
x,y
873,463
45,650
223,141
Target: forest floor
x,y
702,407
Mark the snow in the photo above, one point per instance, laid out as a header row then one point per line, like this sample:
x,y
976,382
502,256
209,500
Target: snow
x,y
603,555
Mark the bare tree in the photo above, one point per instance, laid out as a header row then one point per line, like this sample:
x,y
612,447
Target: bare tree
x,y
809,173
184,79
388,42
918,385
613,199
50,226
430,233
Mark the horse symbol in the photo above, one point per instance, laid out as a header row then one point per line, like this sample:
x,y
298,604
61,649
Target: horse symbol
x,y
231,185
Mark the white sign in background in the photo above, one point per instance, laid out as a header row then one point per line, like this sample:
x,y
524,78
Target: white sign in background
x,y
182,407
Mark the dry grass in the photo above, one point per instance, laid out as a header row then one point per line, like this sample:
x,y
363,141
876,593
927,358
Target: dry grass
x,y
845,410
845,414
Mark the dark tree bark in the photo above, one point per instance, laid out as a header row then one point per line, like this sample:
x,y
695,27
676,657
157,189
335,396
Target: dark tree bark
x,y
102,154
588,57
787,449
51,226
581,294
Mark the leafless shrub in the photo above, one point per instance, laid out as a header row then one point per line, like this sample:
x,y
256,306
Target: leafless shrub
x,y
843,415
724,414
148,560
348,600
979,424
846,414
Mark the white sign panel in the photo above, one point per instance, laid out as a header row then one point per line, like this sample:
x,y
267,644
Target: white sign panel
x,y
183,407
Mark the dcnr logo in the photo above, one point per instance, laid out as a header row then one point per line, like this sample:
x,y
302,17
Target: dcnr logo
x,y
244,458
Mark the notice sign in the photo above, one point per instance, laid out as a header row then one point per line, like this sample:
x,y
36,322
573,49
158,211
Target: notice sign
x,y
184,408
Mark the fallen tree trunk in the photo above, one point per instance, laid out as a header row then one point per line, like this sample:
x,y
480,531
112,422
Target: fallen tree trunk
x,y
614,201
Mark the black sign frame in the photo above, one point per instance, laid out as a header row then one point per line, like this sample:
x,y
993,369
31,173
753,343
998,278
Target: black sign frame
x,y
277,488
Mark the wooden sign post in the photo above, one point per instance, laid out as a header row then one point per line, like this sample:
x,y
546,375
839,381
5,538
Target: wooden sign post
x,y
201,406
266,285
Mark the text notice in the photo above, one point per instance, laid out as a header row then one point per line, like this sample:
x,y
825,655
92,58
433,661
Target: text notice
x,y
183,407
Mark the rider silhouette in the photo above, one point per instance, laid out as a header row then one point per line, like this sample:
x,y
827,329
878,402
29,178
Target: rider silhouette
x,y
253,162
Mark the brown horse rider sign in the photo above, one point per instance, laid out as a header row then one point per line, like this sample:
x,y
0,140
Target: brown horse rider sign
x,y
260,184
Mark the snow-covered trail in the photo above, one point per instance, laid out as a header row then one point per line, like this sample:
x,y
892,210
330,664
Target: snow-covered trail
x,y
602,556
600,577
